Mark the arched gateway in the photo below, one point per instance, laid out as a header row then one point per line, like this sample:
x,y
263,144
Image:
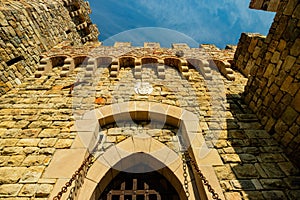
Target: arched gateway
x,y
140,166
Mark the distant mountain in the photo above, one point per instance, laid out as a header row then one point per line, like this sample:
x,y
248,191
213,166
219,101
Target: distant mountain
x,y
217,22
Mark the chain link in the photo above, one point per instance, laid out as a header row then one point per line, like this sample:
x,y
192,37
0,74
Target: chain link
x,y
189,160
82,170
185,175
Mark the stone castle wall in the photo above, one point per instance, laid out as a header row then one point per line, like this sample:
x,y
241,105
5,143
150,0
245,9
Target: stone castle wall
x,y
247,52
41,132
29,28
273,63
268,5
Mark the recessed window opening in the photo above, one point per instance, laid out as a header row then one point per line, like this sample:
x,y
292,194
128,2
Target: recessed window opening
x,y
14,60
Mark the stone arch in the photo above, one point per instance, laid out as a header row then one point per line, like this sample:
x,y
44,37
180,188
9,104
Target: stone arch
x,y
48,63
149,60
58,60
127,61
87,138
129,153
104,61
172,62
78,60
186,121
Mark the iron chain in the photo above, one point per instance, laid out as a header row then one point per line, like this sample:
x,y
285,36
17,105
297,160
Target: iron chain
x,y
185,175
81,170
189,160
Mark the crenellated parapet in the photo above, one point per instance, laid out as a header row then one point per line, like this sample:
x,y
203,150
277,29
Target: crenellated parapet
x,y
181,57
79,11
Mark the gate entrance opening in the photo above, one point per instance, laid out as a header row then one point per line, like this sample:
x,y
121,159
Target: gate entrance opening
x,y
139,186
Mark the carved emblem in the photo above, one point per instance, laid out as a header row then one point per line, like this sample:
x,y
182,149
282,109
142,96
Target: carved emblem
x,y
143,88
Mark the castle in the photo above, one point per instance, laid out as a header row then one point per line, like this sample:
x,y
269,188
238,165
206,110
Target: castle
x,y
80,120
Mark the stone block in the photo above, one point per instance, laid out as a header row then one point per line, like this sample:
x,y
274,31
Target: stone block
x,y
32,175
252,195
28,190
293,182
233,195
224,172
67,160
34,160
290,115
114,73
242,185
294,194
10,190
8,142
49,133
11,175
273,5
295,50
272,170
272,183
231,158
47,142
28,142
276,56
288,63
287,138
269,70
15,160
64,143
271,157
290,7
43,190
281,126
245,171
88,125
248,158
274,194
296,102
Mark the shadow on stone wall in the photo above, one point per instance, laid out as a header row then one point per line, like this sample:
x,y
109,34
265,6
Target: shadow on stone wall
x,y
255,166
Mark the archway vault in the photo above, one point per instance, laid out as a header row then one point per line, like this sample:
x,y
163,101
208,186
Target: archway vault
x,y
88,127
128,154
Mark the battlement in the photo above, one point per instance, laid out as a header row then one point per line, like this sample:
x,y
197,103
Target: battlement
x,y
180,56
77,110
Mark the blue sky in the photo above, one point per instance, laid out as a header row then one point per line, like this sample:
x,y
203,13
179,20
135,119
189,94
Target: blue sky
x,y
218,22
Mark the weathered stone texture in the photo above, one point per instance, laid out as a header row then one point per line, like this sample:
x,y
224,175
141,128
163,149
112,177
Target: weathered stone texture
x,y
247,52
44,110
37,116
268,5
28,29
273,89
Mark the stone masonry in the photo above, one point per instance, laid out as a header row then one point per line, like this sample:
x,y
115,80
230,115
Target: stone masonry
x,y
246,100
28,29
272,64
37,119
268,5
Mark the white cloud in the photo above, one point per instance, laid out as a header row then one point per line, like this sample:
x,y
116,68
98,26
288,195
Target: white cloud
x,y
210,21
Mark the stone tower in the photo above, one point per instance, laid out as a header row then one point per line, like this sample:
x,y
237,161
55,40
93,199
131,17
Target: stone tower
x,y
80,120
